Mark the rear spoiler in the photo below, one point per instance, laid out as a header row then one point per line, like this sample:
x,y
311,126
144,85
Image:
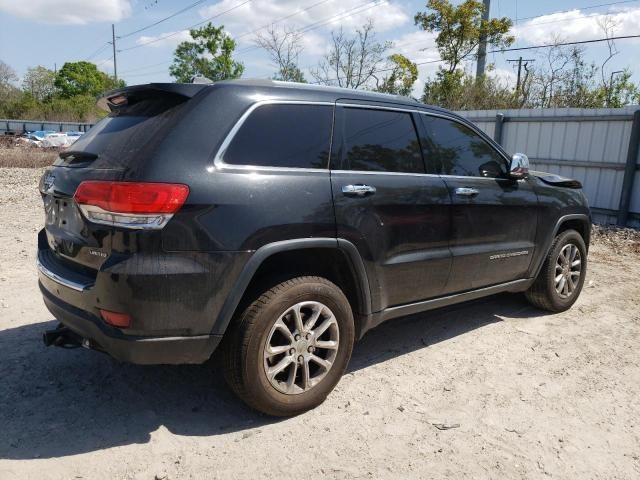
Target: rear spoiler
x,y
111,100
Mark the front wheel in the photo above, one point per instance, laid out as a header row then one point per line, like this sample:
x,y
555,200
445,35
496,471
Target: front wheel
x,y
561,278
289,348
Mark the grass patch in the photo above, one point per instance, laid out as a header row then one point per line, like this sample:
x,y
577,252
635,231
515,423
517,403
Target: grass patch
x,y
27,157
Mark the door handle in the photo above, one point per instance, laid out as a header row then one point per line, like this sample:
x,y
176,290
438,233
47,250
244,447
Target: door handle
x,y
467,192
358,190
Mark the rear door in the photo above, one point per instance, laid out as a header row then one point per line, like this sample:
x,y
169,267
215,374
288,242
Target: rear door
x,y
493,217
385,203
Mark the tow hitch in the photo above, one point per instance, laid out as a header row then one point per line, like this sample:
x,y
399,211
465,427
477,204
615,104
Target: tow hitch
x,y
62,337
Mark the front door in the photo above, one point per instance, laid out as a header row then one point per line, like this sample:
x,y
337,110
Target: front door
x,y
385,204
493,217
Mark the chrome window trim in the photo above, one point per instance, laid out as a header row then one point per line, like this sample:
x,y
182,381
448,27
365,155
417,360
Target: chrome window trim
x,y
79,287
371,172
220,164
218,160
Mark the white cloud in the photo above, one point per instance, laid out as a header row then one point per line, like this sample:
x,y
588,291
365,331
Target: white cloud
x,y
76,12
576,25
167,39
327,15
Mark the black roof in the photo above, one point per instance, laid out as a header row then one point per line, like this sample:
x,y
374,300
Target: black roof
x,y
283,90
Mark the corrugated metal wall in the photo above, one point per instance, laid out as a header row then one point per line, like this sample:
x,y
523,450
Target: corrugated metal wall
x,y
589,145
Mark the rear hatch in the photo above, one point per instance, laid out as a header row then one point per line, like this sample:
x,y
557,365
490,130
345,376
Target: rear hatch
x,y
115,149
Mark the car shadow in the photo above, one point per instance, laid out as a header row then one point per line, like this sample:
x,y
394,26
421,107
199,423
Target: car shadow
x,y
57,403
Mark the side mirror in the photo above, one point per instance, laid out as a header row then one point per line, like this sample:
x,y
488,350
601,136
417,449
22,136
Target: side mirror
x,y
519,166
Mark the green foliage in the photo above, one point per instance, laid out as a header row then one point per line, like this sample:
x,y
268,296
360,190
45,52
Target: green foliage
x,y
461,28
7,79
460,91
83,78
403,75
40,82
69,96
565,79
621,92
290,73
209,55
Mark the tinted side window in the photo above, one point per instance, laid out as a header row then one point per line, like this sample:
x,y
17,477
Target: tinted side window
x,y
379,140
452,148
282,135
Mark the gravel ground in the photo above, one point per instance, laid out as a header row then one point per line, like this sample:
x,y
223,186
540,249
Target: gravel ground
x,y
526,394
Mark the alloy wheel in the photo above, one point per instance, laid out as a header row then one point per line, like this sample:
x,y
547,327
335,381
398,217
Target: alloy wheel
x,y
568,270
301,347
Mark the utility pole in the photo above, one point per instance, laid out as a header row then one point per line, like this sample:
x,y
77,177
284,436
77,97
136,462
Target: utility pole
x,y
113,42
519,61
482,47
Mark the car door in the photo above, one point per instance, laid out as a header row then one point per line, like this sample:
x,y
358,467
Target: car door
x,y
385,204
493,217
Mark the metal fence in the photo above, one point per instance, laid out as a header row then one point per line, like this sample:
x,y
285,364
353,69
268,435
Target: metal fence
x,y
599,147
18,127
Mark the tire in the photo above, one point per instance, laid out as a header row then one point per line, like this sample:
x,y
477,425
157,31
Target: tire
x,y
248,361
544,293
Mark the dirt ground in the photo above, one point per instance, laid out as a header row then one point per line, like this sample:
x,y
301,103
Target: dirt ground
x,y
530,395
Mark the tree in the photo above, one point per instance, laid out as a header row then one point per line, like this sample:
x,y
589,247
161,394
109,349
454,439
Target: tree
x,y
209,55
404,74
83,78
461,91
39,82
352,61
283,46
7,78
461,28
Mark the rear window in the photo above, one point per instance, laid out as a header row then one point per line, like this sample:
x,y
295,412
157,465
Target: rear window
x,y
127,135
281,135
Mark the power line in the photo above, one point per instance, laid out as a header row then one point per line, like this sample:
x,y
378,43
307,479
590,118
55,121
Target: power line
x,y
278,20
562,20
146,66
591,7
304,29
324,21
564,44
175,14
98,51
188,28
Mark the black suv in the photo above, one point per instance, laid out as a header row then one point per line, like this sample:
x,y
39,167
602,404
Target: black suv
x,y
282,221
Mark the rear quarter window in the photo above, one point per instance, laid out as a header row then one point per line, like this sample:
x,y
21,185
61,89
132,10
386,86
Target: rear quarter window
x,y
283,135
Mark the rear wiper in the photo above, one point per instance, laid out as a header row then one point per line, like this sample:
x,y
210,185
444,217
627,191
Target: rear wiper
x,y
76,156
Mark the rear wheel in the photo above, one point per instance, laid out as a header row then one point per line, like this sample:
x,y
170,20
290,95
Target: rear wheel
x,y
289,348
561,278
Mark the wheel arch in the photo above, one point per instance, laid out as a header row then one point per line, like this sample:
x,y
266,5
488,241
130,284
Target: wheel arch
x,y
581,222
337,260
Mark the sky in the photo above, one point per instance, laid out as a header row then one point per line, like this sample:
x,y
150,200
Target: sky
x,y
52,32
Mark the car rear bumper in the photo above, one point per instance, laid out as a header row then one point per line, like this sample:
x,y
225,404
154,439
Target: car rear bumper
x,y
126,348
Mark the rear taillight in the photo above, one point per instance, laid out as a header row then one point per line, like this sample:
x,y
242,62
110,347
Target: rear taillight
x,y
130,204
